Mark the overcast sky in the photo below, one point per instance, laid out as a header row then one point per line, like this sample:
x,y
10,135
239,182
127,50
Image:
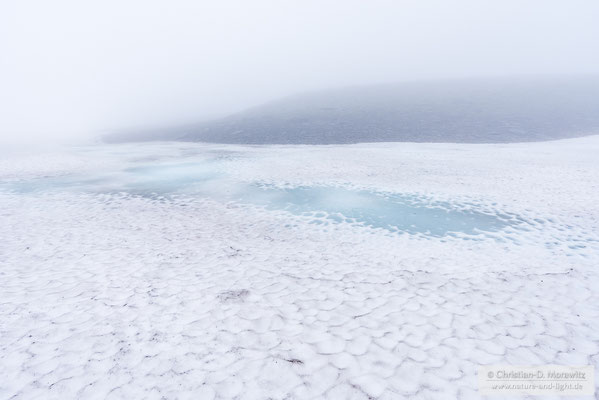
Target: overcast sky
x,y
75,68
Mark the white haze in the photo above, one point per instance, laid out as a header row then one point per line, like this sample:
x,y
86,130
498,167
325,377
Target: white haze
x,y
72,69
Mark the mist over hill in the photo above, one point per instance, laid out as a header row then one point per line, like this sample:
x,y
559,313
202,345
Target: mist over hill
x,y
464,111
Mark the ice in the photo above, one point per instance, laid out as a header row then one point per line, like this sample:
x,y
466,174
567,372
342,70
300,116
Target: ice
x,y
173,270
201,175
392,211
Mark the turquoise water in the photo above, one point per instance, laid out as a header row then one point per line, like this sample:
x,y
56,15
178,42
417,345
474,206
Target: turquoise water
x,y
391,211
395,212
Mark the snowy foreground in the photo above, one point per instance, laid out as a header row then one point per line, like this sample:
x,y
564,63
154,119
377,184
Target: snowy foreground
x,y
175,270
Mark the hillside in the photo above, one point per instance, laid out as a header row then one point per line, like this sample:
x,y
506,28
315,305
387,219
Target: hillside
x,y
474,111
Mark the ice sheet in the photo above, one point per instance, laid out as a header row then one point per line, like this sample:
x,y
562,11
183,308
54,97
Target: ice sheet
x,y
157,270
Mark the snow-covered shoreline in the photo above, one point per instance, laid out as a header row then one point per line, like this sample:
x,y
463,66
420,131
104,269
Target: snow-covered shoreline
x,y
121,296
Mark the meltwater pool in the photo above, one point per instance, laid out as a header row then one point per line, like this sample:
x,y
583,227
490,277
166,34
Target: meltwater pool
x,y
203,175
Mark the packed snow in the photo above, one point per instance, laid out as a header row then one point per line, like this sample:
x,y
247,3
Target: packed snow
x,y
381,271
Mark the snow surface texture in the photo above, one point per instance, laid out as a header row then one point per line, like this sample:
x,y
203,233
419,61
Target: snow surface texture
x,y
120,280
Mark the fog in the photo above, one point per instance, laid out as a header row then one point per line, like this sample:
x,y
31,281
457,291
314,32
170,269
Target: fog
x,y
70,70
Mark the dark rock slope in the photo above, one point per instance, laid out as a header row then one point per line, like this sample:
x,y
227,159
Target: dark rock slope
x,y
473,111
